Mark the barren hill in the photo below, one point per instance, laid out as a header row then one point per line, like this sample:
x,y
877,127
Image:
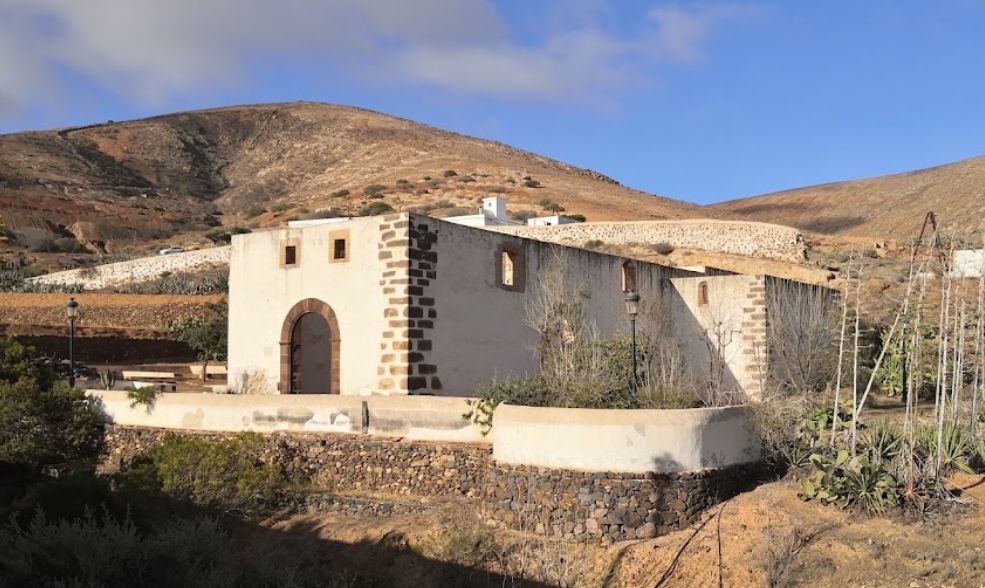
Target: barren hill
x,y
887,207
135,181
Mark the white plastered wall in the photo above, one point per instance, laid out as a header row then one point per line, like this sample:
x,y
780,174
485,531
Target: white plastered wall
x,y
261,293
481,331
722,324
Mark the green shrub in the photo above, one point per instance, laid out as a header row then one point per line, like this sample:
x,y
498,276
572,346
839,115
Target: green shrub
x,y
222,474
205,333
98,549
48,424
523,215
449,173
255,211
375,208
403,182
578,218
340,193
528,391
662,248
466,179
532,184
146,396
19,362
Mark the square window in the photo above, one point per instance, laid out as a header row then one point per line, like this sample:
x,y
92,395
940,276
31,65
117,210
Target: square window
x,y
338,246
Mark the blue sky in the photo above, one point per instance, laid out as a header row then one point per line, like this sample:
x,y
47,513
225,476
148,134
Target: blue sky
x,y
701,101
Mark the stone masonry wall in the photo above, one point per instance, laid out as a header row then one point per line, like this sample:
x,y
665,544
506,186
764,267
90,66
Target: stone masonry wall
x,y
138,270
407,247
606,506
572,505
743,238
755,350
348,462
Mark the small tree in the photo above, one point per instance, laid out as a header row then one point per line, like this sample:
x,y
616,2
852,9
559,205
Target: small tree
x,y
205,333
43,422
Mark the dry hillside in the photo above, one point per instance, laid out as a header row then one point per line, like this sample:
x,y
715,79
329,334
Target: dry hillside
x,y
887,207
181,174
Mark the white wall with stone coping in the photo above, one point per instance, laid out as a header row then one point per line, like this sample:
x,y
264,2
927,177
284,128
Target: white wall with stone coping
x,y
739,237
138,270
411,417
623,440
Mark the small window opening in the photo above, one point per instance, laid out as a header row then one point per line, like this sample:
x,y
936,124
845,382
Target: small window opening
x,y
507,266
290,255
628,277
338,249
703,294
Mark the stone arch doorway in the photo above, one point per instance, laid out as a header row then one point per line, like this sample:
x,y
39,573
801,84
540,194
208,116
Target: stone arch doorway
x,y
309,350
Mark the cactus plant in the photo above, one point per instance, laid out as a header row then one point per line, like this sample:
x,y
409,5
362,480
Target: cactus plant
x,y
108,379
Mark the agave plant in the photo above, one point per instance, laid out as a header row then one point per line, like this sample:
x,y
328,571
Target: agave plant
x,y
955,447
869,485
882,441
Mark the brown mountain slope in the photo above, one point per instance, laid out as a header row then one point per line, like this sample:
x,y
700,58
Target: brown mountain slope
x,y
888,207
147,179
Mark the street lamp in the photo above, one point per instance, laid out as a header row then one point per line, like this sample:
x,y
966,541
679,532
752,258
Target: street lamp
x,y
72,309
632,300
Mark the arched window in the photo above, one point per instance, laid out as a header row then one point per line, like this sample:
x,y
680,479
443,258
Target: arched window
x,y
628,276
703,294
506,271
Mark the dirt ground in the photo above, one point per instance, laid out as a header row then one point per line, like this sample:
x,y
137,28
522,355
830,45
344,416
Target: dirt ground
x,y
765,537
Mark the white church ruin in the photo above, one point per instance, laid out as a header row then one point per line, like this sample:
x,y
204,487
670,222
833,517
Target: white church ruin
x,y
407,304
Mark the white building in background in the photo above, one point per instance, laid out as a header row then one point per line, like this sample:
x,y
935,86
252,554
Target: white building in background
x,y
968,263
493,213
550,221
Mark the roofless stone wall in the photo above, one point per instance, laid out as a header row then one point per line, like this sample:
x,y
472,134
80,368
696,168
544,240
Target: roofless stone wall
x,y
743,238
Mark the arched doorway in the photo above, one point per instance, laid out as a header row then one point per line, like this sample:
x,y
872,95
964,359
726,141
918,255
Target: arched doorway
x,y
310,344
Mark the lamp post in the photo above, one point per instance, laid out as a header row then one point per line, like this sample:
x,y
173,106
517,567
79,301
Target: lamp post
x,y
72,309
632,300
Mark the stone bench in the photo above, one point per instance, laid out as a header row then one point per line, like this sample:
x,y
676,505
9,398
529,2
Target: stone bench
x,y
138,375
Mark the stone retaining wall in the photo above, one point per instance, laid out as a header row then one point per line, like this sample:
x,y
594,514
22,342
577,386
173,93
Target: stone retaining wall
x,y
350,463
580,506
740,237
608,506
139,270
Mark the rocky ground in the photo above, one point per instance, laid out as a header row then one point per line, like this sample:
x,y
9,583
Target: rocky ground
x,y
766,537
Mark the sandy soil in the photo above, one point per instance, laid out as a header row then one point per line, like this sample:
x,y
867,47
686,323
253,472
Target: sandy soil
x,y
766,537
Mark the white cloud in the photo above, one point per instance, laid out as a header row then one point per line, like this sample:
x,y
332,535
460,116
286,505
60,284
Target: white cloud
x,y
150,51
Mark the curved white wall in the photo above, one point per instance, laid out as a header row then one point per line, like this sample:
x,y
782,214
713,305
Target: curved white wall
x,y
623,440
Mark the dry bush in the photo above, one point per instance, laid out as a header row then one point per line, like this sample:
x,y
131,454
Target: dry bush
x,y
253,382
802,335
781,551
663,248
